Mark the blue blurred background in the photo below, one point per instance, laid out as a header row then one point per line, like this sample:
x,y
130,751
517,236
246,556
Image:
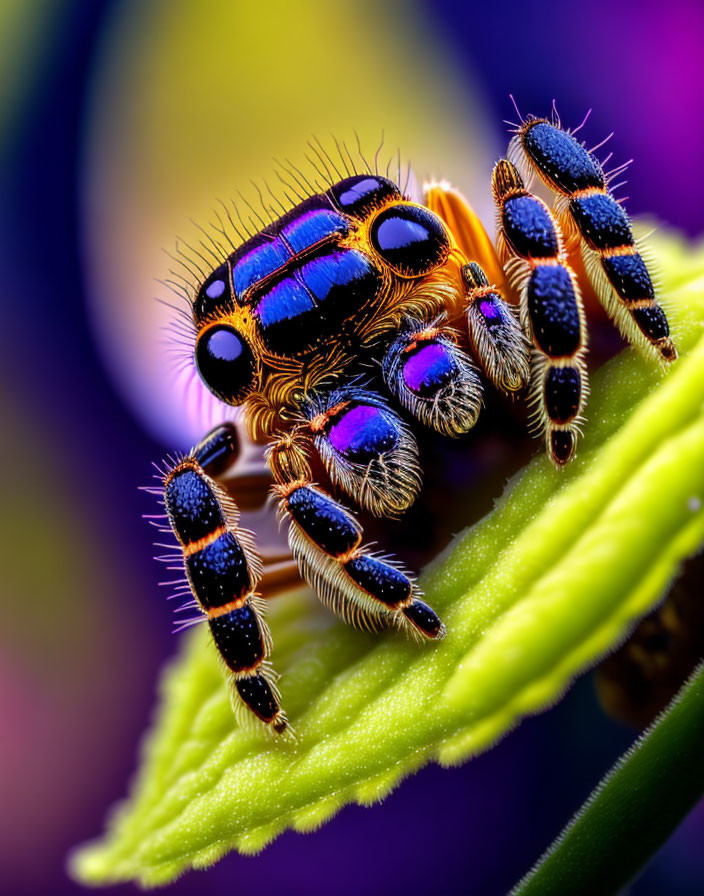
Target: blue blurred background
x,y
109,114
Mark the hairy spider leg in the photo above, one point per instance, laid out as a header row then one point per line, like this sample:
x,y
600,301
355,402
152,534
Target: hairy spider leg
x,y
223,570
367,449
494,332
611,255
432,377
367,591
245,475
531,244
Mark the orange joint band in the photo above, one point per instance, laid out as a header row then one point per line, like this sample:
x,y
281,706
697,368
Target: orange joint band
x,y
318,422
617,251
214,612
194,546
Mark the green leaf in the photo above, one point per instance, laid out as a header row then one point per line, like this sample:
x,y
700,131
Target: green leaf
x,y
633,810
545,584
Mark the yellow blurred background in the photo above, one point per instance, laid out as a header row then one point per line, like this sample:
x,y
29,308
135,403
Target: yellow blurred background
x,y
190,103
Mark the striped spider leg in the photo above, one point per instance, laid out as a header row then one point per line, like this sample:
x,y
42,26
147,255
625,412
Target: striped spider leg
x,y
589,212
223,571
531,245
369,452
432,377
494,332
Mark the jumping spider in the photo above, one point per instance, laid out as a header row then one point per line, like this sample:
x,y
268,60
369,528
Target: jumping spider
x,y
357,290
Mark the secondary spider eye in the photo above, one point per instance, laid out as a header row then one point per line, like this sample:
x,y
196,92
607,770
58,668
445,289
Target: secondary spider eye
x,y
213,296
225,363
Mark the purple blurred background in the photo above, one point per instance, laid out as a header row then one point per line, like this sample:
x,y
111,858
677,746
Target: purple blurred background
x,y
84,632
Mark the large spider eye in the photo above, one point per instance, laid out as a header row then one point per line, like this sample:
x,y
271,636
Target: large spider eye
x,y
410,239
225,363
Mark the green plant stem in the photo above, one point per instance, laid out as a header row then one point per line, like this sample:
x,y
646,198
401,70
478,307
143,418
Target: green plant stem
x,y
634,809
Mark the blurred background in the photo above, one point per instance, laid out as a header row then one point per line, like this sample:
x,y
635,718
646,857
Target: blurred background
x,y
119,123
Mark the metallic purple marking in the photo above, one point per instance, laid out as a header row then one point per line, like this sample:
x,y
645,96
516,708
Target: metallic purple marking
x,y
313,226
490,309
429,369
259,263
363,433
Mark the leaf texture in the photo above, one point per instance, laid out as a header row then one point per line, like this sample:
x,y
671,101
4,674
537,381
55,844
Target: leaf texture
x,y
549,581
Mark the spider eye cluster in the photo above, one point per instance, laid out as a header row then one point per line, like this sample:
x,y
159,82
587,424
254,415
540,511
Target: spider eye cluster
x,y
225,363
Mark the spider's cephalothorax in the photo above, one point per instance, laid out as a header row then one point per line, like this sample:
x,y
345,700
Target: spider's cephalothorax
x,y
358,286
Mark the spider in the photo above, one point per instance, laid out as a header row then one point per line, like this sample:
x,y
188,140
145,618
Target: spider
x,y
358,312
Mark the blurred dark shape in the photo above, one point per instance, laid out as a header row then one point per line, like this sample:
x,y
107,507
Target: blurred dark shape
x,y
639,680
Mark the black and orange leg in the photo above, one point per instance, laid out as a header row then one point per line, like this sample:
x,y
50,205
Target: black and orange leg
x,y
433,378
588,210
494,332
365,590
223,570
530,243
367,449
